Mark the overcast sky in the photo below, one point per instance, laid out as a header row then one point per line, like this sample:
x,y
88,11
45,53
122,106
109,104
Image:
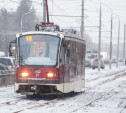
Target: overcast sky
x,y
73,8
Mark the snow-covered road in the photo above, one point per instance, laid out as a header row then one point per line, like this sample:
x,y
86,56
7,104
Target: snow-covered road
x,y
105,92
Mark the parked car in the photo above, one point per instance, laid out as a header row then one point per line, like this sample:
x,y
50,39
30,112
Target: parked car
x,y
121,60
4,69
95,64
114,60
9,62
87,63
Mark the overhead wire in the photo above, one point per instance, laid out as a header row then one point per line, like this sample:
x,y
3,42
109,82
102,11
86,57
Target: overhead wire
x,y
52,10
62,15
68,7
112,13
66,16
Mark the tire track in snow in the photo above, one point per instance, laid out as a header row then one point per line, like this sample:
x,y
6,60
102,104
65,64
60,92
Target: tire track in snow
x,y
118,75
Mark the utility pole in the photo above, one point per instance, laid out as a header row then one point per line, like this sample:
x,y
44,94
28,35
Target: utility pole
x,y
44,11
99,46
82,21
110,61
124,45
117,64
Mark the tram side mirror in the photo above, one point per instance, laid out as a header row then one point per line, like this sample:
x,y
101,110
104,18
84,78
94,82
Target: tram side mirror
x,y
12,48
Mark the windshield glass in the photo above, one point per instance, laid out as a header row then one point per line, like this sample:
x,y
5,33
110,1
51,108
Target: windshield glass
x,y
38,50
5,61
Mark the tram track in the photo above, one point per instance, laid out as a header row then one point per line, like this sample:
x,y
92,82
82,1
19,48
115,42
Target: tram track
x,y
89,103
94,97
39,105
9,102
115,76
104,95
107,75
124,107
28,103
47,103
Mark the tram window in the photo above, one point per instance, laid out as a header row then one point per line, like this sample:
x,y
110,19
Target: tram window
x,y
62,54
79,55
70,52
41,50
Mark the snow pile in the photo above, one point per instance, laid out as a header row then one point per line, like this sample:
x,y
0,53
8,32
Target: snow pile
x,y
2,54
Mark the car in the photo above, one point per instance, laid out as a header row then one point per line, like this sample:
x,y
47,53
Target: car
x,y
4,69
114,60
9,62
95,64
120,60
87,63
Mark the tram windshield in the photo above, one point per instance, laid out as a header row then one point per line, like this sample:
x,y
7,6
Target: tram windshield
x,y
38,49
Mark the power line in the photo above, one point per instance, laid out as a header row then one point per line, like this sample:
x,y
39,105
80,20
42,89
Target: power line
x,y
112,11
59,7
65,16
68,8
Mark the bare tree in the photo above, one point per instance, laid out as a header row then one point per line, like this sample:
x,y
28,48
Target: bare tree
x,y
28,20
10,23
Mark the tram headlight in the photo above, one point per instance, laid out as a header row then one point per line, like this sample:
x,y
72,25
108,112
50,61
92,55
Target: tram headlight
x,y
51,75
24,74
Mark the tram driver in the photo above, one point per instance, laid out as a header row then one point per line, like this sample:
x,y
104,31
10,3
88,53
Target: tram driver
x,y
41,52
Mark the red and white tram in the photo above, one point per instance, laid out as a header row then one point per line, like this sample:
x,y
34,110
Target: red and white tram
x,y
49,63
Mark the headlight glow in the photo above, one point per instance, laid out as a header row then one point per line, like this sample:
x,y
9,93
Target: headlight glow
x,y
24,74
51,75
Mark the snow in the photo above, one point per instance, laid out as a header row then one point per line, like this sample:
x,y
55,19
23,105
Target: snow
x,y
2,54
40,61
105,92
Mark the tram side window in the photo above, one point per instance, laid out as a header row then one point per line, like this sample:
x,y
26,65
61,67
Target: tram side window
x,y
62,55
79,55
66,52
84,52
70,52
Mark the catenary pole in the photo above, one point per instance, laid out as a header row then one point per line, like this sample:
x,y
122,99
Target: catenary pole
x,y
82,21
110,60
124,45
44,11
117,64
99,45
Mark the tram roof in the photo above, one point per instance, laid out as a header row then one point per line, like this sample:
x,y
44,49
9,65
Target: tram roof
x,y
60,34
